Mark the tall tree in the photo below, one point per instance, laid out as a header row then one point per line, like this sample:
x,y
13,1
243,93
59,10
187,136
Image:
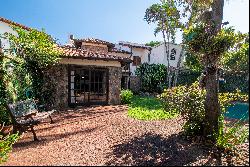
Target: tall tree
x,y
212,106
166,15
153,43
205,36
237,59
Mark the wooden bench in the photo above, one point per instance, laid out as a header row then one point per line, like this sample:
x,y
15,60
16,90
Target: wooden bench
x,y
25,115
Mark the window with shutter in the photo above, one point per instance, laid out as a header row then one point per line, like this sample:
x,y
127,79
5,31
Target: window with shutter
x,y
136,61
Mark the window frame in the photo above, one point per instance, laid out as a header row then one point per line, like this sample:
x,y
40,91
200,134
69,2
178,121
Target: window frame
x,y
136,60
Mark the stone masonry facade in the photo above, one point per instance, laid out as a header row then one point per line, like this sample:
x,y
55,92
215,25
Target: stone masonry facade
x,y
58,79
58,76
135,84
115,76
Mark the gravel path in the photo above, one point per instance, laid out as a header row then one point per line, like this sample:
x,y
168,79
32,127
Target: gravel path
x,y
106,136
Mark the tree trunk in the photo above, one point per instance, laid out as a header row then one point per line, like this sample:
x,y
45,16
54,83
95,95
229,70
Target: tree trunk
x,y
166,47
212,108
169,71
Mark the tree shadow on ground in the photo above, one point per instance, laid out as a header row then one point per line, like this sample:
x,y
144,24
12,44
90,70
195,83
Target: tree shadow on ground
x,y
155,150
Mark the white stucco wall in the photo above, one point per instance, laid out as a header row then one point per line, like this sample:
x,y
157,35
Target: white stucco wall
x,y
125,55
143,53
90,62
159,55
4,27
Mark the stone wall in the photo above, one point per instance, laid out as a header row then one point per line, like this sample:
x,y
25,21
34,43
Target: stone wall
x,y
115,75
57,78
135,84
99,49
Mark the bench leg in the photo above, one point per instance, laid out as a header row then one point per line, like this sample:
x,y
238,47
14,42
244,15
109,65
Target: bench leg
x,y
34,133
18,129
51,121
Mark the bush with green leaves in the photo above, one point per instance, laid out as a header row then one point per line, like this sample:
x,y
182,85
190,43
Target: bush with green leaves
x,y
153,77
232,136
4,116
189,101
126,96
235,80
6,146
187,77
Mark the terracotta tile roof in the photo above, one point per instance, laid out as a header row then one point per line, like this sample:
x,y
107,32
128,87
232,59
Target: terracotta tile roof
x,y
14,23
115,50
95,41
70,52
134,45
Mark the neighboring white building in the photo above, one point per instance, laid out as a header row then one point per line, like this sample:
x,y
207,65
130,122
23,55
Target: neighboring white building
x,y
159,55
5,27
139,53
152,55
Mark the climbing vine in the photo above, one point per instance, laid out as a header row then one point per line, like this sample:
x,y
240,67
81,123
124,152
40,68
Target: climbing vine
x,y
35,52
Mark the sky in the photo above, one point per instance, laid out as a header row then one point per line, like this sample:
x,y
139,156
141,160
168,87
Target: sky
x,y
110,20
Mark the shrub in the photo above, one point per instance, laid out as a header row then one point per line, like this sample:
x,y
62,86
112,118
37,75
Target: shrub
x,y
189,101
152,76
232,136
188,77
235,80
126,96
6,146
4,116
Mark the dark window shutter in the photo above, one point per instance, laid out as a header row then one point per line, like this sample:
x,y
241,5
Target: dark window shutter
x,y
134,61
139,61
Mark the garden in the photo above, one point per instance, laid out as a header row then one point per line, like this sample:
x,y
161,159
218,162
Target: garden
x,y
190,116
211,89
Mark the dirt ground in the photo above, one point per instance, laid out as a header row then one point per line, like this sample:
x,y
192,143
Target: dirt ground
x,y
107,136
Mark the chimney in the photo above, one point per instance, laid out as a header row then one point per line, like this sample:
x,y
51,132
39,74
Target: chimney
x,y
71,36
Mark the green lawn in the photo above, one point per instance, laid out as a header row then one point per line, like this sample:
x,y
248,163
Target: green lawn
x,y
148,108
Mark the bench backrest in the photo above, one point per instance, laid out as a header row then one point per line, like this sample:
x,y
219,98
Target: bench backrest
x,y
23,108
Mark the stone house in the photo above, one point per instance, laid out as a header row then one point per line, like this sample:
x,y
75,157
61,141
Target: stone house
x,y
90,71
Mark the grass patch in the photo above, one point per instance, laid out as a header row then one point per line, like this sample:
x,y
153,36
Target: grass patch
x,y
148,108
